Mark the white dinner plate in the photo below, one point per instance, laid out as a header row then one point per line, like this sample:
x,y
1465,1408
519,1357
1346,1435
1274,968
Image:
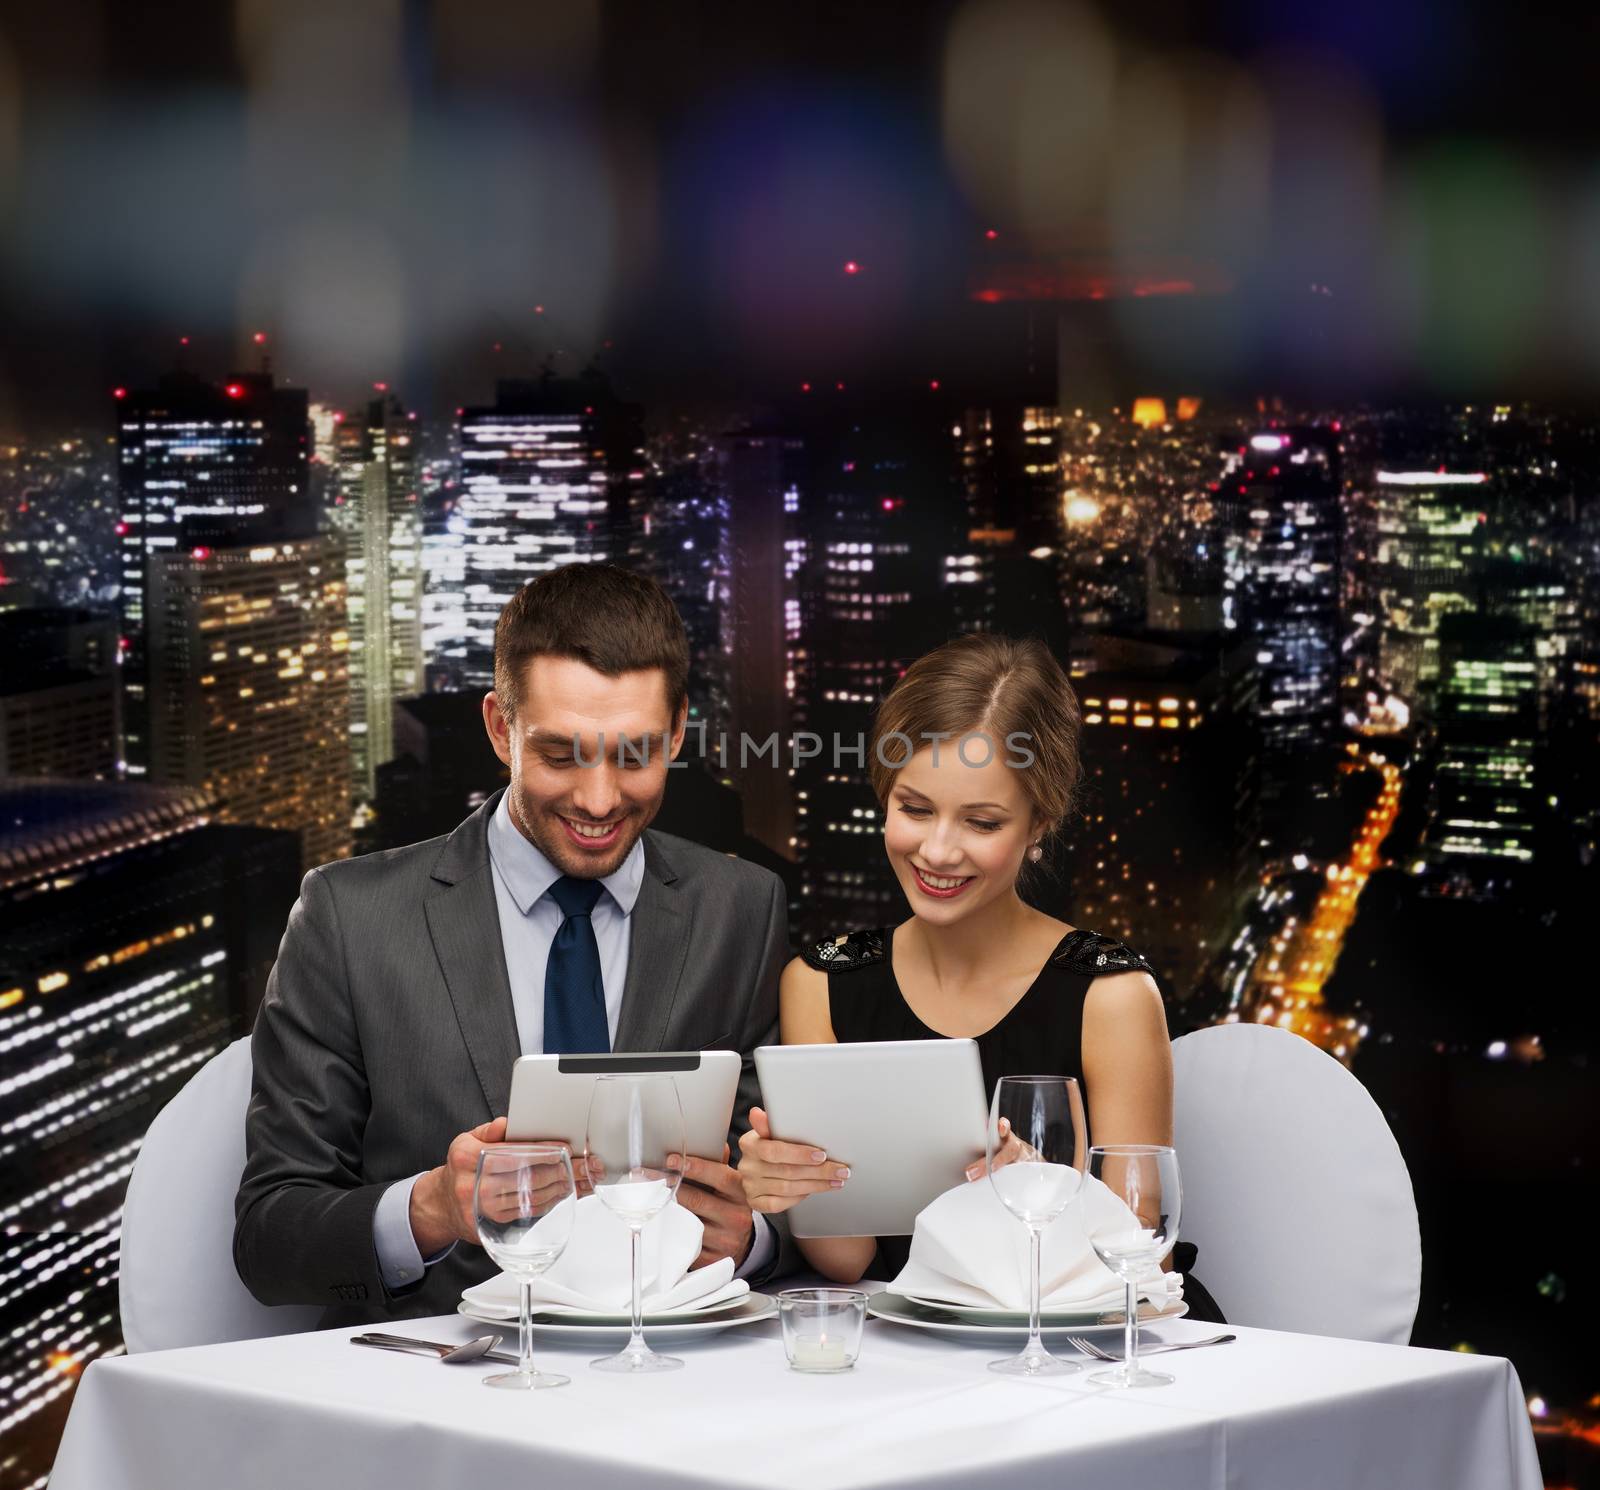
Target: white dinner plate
x,y
896,1309
751,1309
1018,1319
554,1312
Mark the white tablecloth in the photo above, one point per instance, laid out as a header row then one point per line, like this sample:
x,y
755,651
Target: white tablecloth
x,y
1270,1411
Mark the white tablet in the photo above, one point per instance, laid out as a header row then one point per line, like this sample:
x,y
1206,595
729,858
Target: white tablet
x,y
907,1116
550,1093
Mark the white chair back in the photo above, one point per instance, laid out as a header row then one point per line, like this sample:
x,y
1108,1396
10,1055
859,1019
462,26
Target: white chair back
x,y
1294,1188
178,1285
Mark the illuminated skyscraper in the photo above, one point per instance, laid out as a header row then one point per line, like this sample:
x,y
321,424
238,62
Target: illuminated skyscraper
x,y
887,511
249,685
1280,521
378,516
1006,575
201,465
1428,537
443,553
1546,601
135,940
544,478
761,477
1485,817
681,536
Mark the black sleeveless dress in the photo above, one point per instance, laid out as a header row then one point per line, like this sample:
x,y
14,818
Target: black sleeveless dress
x,y
1043,1031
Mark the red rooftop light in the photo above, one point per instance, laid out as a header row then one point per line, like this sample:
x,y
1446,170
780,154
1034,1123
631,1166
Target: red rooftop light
x,y
991,235
235,390
119,393
259,337
202,552
805,388
851,267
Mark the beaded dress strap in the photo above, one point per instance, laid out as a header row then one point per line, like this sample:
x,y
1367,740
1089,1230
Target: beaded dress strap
x,y
842,954
1093,955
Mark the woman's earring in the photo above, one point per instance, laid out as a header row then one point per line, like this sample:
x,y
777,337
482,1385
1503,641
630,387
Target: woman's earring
x,y
1035,854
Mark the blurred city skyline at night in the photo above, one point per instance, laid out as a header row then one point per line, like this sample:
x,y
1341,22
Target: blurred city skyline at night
x,y
1365,200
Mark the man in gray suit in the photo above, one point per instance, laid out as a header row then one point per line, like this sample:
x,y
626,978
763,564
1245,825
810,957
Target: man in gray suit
x,y
552,919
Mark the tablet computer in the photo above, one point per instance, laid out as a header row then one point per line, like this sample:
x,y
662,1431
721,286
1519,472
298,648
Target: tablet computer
x,y
550,1093
907,1116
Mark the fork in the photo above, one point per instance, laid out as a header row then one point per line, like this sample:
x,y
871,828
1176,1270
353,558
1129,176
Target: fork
x,y
1089,1348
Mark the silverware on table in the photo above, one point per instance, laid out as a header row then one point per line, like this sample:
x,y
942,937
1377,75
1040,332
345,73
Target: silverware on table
x,y
480,1349
1088,1346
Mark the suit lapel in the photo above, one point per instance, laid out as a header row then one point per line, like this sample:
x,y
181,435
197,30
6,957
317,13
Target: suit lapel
x,y
658,932
465,927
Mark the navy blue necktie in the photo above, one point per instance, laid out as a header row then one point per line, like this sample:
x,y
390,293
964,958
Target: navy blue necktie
x,y
574,996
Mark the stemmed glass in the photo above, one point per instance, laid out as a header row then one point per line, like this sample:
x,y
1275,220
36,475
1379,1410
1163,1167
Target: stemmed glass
x,y
1144,1176
1035,1150
523,1201
635,1124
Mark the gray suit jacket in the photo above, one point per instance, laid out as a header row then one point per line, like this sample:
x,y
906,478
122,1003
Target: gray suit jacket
x,y
387,1029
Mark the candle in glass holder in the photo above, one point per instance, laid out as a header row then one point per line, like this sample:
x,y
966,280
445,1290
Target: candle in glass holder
x,y
822,1327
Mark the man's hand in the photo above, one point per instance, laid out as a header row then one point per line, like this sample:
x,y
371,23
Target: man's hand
x,y
714,1193
441,1201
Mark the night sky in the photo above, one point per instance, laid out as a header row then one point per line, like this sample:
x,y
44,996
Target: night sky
x,y
388,189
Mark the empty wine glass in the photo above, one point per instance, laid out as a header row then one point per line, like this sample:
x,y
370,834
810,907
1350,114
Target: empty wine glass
x,y
1035,1151
1144,1176
523,1201
635,1124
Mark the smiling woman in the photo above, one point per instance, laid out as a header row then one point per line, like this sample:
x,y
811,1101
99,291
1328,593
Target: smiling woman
x,y
975,761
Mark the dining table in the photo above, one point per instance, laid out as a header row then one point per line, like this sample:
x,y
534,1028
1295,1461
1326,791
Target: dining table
x,y
1267,1411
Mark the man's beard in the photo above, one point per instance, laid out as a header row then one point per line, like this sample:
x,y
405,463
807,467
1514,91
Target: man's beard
x,y
545,832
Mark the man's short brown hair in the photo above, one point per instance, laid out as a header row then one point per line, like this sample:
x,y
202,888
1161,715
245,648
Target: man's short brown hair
x,y
604,616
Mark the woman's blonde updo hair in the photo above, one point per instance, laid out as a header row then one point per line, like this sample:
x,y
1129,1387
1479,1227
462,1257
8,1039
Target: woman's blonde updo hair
x,y
999,686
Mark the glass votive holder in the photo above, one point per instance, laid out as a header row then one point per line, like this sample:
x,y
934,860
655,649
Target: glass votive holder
x,y
822,1327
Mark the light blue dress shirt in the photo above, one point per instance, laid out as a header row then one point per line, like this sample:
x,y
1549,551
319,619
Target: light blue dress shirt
x,y
529,920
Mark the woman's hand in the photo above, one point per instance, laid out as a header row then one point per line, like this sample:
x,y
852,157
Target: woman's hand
x,y
778,1175
1011,1149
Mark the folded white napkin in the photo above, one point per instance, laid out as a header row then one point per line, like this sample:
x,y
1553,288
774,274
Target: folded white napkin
x,y
591,1275
969,1249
